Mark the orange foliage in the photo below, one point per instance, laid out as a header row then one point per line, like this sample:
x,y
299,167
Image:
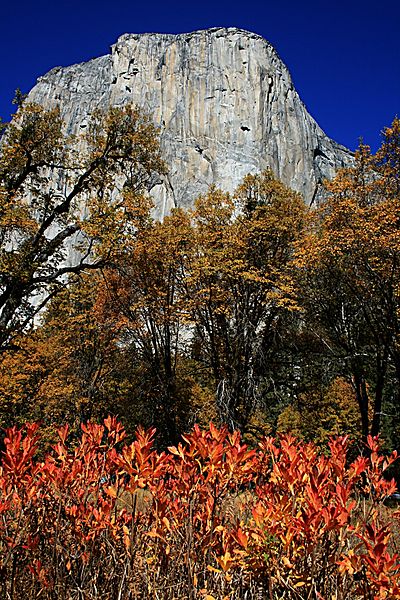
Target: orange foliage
x,y
349,276
209,518
60,374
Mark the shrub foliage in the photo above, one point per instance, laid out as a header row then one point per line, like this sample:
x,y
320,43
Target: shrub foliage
x,y
210,518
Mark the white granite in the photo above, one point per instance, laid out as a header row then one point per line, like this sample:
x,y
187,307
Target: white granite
x,y
223,100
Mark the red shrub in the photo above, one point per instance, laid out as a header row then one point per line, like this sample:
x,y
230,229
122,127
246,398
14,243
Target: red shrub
x,y
210,518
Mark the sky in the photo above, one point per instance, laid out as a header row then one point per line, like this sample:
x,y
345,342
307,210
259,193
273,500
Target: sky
x,y
344,56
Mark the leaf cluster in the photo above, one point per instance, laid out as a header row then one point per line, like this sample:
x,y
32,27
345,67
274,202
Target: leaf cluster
x,y
209,518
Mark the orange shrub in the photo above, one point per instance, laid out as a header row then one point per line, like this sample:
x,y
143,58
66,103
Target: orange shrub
x,y
210,518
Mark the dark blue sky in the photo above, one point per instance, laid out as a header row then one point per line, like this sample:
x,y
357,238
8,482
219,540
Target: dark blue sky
x,y
344,57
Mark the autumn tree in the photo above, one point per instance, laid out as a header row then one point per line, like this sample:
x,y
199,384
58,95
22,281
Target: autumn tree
x,y
321,412
239,285
69,369
350,277
61,197
199,299
143,293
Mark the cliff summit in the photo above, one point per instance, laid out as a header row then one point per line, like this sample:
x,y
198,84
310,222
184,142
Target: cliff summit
x,y
223,100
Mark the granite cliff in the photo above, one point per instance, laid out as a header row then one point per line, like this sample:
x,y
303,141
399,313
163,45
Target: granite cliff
x,y
223,100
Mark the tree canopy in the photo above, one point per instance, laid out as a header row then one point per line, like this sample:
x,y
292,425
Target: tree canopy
x,y
60,213
350,273
249,309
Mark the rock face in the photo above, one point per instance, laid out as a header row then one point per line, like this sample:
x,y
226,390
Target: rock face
x,y
223,100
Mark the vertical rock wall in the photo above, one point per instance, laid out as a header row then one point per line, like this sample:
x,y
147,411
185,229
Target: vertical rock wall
x,y
223,100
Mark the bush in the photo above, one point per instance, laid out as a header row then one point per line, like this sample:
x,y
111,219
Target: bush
x,y
208,519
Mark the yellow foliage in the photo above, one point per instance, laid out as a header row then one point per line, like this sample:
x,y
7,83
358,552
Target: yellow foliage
x,y
319,414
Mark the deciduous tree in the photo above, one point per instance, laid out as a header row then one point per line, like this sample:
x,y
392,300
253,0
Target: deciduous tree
x,y
68,369
144,296
350,274
239,285
60,198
